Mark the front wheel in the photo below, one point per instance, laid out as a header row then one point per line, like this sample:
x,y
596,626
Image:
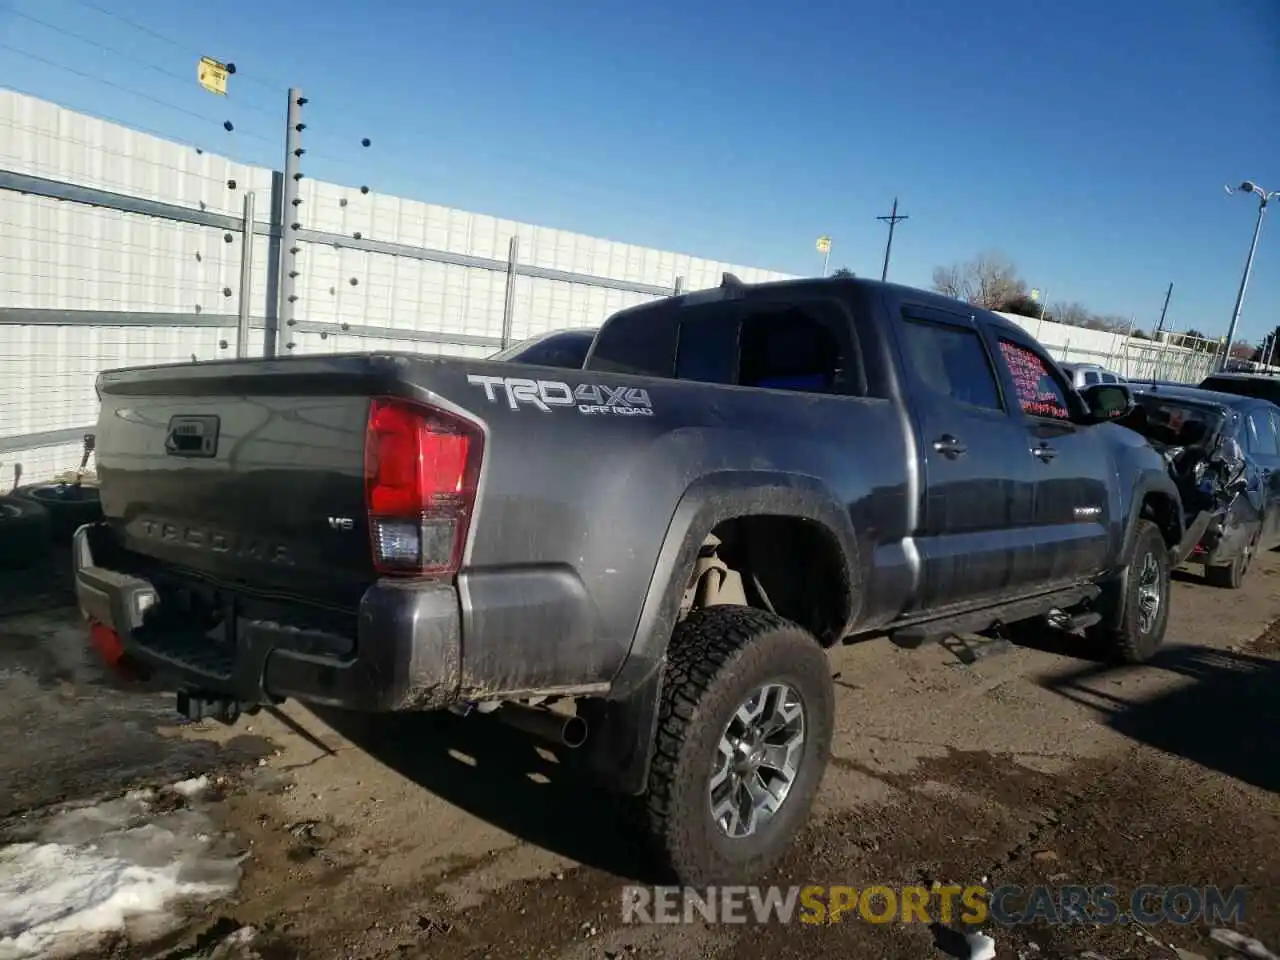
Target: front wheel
x,y
744,734
1144,603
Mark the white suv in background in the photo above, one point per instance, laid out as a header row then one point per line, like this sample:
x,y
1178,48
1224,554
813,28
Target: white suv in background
x,y
1088,374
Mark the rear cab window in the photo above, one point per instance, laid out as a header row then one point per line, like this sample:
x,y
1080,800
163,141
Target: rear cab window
x,y
640,342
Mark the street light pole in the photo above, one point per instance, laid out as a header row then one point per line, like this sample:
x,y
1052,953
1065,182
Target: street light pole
x,y
1263,199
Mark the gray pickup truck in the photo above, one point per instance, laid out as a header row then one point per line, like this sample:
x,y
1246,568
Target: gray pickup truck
x,y
645,557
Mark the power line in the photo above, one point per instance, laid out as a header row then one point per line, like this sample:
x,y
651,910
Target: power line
x,y
130,57
186,49
123,89
275,87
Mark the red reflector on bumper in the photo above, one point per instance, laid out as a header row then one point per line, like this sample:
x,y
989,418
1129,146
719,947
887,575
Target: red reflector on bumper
x,y
107,642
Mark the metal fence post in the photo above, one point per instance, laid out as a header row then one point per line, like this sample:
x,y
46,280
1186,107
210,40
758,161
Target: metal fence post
x,y
246,278
271,296
509,304
290,224
679,287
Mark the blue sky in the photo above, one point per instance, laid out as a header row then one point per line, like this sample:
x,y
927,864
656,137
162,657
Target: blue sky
x,y
1088,141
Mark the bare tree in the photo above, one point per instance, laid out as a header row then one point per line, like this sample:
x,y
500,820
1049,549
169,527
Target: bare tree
x,y
989,280
1113,322
949,281
1073,314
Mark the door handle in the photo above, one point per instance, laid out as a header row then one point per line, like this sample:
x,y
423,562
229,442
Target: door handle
x,y
1044,452
949,446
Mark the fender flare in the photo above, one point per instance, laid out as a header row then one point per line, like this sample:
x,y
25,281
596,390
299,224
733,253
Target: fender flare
x,y
1150,483
1116,584
628,718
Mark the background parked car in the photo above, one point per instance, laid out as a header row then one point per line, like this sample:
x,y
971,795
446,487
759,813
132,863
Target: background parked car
x,y
1087,374
1201,432
556,348
1258,385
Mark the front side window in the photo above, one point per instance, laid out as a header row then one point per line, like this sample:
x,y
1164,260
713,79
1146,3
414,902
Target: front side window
x,y
1038,391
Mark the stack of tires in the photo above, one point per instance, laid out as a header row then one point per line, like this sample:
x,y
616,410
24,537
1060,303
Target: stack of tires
x,y
34,518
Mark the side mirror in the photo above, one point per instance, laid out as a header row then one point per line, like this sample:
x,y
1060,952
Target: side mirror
x,y
1107,401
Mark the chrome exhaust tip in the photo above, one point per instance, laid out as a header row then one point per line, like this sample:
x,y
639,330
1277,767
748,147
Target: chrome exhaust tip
x,y
566,730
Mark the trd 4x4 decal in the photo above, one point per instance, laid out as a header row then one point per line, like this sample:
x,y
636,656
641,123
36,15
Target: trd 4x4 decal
x,y
589,398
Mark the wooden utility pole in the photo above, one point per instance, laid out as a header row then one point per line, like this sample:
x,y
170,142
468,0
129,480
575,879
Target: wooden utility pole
x,y
892,219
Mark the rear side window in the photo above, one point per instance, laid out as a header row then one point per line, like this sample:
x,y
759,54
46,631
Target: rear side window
x,y
802,347
1090,378
790,350
952,361
707,349
1038,390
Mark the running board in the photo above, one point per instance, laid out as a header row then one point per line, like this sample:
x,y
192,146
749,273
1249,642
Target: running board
x,y
975,621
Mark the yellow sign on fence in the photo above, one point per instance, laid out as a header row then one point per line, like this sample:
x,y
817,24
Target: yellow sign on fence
x,y
213,75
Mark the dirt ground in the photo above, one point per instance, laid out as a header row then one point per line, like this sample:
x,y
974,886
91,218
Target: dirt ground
x,y
438,837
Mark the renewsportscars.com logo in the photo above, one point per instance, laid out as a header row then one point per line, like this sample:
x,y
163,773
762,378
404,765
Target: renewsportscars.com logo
x,y
589,398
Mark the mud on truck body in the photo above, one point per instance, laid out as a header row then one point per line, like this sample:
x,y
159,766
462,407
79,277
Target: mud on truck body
x,y
665,540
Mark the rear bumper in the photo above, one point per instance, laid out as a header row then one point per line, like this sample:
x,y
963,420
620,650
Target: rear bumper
x,y
406,655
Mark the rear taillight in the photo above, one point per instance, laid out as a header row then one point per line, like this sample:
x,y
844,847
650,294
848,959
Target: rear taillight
x,y
421,467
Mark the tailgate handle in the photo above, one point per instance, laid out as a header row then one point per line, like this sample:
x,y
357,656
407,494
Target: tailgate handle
x,y
192,436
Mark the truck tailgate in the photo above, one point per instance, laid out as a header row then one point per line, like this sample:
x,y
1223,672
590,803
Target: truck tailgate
x,y
245,474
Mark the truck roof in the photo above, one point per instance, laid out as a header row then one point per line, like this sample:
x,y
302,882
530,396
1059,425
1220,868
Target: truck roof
x,y
731,287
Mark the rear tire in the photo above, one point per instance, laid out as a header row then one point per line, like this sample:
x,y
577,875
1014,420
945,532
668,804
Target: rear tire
x,y
24,532
1141,627
720,658
1230,576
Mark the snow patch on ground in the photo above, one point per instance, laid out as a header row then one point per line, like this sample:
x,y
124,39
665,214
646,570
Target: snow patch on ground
x,y
111,867
192,788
